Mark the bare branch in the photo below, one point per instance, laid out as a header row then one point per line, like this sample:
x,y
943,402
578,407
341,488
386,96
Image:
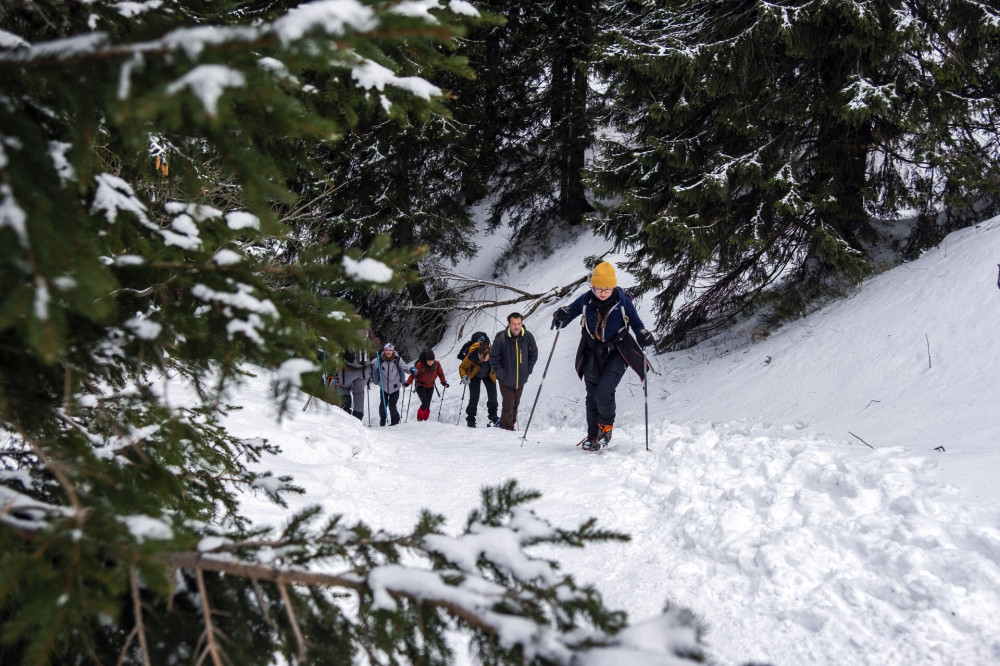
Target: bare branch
x,y
140,628
211,647
300,211
199,562
292,620
260,602
467,295
128,641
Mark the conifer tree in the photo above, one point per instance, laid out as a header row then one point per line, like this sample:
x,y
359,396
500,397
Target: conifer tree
x,y
531,115
403,181
146,152
757,141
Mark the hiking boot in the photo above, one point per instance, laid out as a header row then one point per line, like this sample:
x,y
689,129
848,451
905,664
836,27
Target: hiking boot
x,y
493,422
604,433
471,423
592,444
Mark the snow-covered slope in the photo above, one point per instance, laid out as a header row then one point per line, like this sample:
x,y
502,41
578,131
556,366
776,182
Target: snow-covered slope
x,y
757,505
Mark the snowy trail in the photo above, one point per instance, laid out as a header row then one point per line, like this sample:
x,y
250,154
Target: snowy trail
x,y
793,550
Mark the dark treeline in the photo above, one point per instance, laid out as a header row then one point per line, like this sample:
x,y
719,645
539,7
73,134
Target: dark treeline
x,y
742,154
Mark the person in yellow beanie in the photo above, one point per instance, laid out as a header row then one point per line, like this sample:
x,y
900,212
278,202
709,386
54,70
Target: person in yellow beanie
x,y
606,348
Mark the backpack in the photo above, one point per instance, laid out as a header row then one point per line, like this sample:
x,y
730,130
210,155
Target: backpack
x,y
355,358
479,337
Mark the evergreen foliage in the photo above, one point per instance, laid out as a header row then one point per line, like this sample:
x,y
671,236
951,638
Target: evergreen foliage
x,y
398,172
759,141
151,162
531,116
146,153
404,182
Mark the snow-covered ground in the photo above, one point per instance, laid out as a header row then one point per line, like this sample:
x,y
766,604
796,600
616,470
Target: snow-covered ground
x,y
827,494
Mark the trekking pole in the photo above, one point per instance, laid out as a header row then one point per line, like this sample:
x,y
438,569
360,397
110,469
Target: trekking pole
x,y
368,401
460,401
524,437
441,401
645,392
409,400
381,393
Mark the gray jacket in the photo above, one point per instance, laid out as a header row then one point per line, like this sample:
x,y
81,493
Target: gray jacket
x,y
392,375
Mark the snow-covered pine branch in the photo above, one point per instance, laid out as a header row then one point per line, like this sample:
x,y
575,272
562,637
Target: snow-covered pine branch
x,y
482,581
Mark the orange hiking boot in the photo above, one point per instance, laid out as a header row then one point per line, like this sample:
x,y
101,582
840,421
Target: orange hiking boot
x,y
604,434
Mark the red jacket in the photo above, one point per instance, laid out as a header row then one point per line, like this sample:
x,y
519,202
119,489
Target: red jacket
x,y
426,376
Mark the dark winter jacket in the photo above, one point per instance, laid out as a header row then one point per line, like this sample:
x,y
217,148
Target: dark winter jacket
x,y
605,332
426,375
513,358
471,367
389,374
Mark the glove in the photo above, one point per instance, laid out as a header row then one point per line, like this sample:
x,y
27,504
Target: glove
x,y
645,338
465,381
561,317
445,384
413,369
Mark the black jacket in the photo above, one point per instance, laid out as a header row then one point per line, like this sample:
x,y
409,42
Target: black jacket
x,y
513,358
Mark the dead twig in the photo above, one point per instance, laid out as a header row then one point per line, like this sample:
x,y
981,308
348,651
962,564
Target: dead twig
x,y
139,628
293,621
862,441
260,602
211,646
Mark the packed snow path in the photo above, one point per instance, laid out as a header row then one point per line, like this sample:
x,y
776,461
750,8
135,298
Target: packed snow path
x,y
792,550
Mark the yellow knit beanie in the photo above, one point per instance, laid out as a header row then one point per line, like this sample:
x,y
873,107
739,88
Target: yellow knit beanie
x,y
604,276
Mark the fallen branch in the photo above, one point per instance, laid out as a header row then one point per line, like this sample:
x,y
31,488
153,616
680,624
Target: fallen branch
x,y
862,441
466,294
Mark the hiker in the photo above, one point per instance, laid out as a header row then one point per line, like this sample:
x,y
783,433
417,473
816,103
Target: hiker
x,y
605,349
387,369
425,371
349,382
512,359
475,371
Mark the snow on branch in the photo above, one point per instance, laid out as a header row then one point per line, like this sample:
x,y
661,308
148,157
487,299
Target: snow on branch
x,y
334,18
497,590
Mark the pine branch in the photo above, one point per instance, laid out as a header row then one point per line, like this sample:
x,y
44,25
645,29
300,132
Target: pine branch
x,y
197,561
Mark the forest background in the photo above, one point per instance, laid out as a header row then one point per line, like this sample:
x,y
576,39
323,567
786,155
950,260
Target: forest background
x,y
191,187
